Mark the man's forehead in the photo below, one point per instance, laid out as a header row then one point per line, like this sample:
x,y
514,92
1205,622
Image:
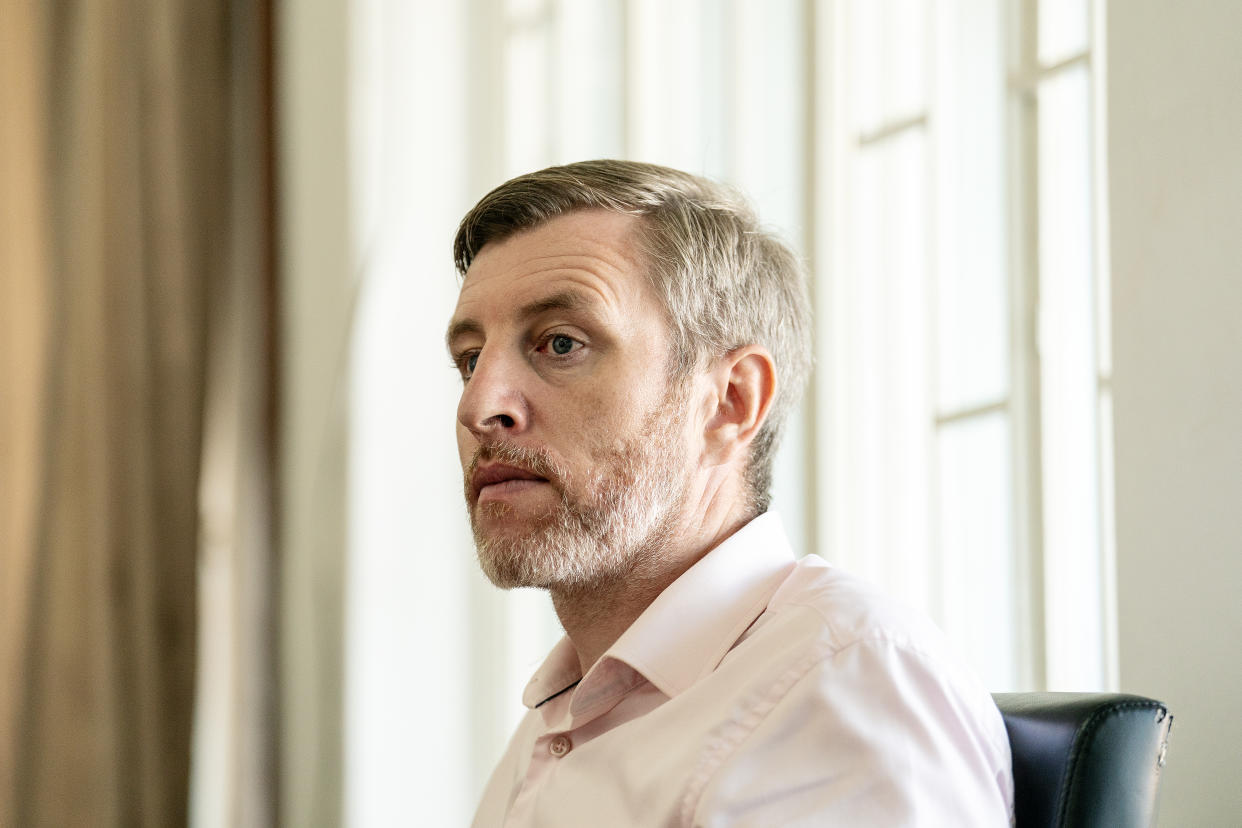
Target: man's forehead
x,y
592,238
572,262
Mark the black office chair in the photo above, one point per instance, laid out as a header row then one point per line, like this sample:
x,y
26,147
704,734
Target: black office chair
x,y
1085,759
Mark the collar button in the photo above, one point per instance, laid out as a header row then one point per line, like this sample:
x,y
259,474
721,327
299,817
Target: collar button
x,y
559,746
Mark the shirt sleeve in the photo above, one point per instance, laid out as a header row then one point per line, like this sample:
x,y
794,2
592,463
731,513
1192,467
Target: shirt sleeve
x,y
874,734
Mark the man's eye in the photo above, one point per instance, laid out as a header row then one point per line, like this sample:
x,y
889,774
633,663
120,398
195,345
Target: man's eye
x,y
465,364
558,345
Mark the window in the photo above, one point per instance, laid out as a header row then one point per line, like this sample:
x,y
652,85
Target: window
x,y
966,337
936,163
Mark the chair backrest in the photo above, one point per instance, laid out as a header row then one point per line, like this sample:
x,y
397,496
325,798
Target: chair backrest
x,y
1085,759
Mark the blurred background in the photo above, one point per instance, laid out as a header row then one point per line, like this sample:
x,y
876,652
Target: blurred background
x,y
236,581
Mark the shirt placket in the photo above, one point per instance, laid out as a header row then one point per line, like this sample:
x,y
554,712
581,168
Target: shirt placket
x,y
561,727
549,748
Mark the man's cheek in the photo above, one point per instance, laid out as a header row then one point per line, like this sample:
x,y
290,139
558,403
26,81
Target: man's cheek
x,y
466,446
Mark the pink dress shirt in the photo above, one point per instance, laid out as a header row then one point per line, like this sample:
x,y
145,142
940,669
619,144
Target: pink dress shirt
x,y
758,690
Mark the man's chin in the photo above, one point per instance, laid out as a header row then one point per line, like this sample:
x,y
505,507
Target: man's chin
x,y
503,522
544,553
513,560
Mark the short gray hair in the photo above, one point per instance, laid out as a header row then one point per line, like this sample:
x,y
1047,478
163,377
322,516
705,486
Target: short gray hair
x,y
724,280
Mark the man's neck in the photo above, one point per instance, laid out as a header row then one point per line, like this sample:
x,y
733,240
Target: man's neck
x,y
595,616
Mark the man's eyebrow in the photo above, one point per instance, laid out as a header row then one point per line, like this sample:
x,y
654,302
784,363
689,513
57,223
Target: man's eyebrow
x,y
460,327
561,300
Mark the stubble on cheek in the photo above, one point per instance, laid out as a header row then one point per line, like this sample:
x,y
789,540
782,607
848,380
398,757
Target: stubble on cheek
x,y
608,522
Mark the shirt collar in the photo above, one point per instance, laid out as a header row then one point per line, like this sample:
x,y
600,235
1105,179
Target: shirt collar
x,y
559,671
691,625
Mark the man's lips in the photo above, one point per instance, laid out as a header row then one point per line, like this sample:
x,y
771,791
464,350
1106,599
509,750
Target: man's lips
x,y
497,474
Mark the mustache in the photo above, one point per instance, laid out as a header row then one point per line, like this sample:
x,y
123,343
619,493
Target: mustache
x,y
537,461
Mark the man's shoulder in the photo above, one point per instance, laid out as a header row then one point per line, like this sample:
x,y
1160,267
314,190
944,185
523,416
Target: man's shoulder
x,y
840,610
841,682
849,637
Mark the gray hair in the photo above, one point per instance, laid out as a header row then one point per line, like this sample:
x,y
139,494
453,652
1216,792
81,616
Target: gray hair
x,y
724,280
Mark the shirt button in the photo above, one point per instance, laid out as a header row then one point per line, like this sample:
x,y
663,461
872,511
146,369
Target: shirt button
x,y
559,746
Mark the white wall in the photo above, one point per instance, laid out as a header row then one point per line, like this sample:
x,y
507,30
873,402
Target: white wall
x,y
1175,145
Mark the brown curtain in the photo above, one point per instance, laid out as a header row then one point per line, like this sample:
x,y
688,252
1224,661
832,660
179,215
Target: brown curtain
x,y
134,258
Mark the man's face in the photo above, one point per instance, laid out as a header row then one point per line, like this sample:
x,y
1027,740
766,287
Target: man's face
x,y
573,441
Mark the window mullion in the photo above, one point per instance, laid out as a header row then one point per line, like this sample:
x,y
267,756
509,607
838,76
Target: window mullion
x,y
1102,316
1024,304
982,409
892,129
1030,76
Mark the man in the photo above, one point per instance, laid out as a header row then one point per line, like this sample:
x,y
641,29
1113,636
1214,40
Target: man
x,y
630,342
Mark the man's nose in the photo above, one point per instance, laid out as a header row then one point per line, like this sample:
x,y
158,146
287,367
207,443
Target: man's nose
x,y
492,402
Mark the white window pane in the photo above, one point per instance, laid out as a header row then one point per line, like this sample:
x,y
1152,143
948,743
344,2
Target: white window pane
x,y
906,22
528,143
1068,387
862,400
589,104
667,82
864,65
977,546
712,100
908,367
972,275
1063,29
887,66
768,160
886,426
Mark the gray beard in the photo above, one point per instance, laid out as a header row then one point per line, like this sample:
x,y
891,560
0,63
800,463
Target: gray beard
x,y
605,528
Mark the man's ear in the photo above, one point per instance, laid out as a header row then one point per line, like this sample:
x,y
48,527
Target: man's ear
x,y
744,381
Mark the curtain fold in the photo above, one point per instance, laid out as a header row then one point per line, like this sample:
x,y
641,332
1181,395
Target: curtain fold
x,y
124,137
